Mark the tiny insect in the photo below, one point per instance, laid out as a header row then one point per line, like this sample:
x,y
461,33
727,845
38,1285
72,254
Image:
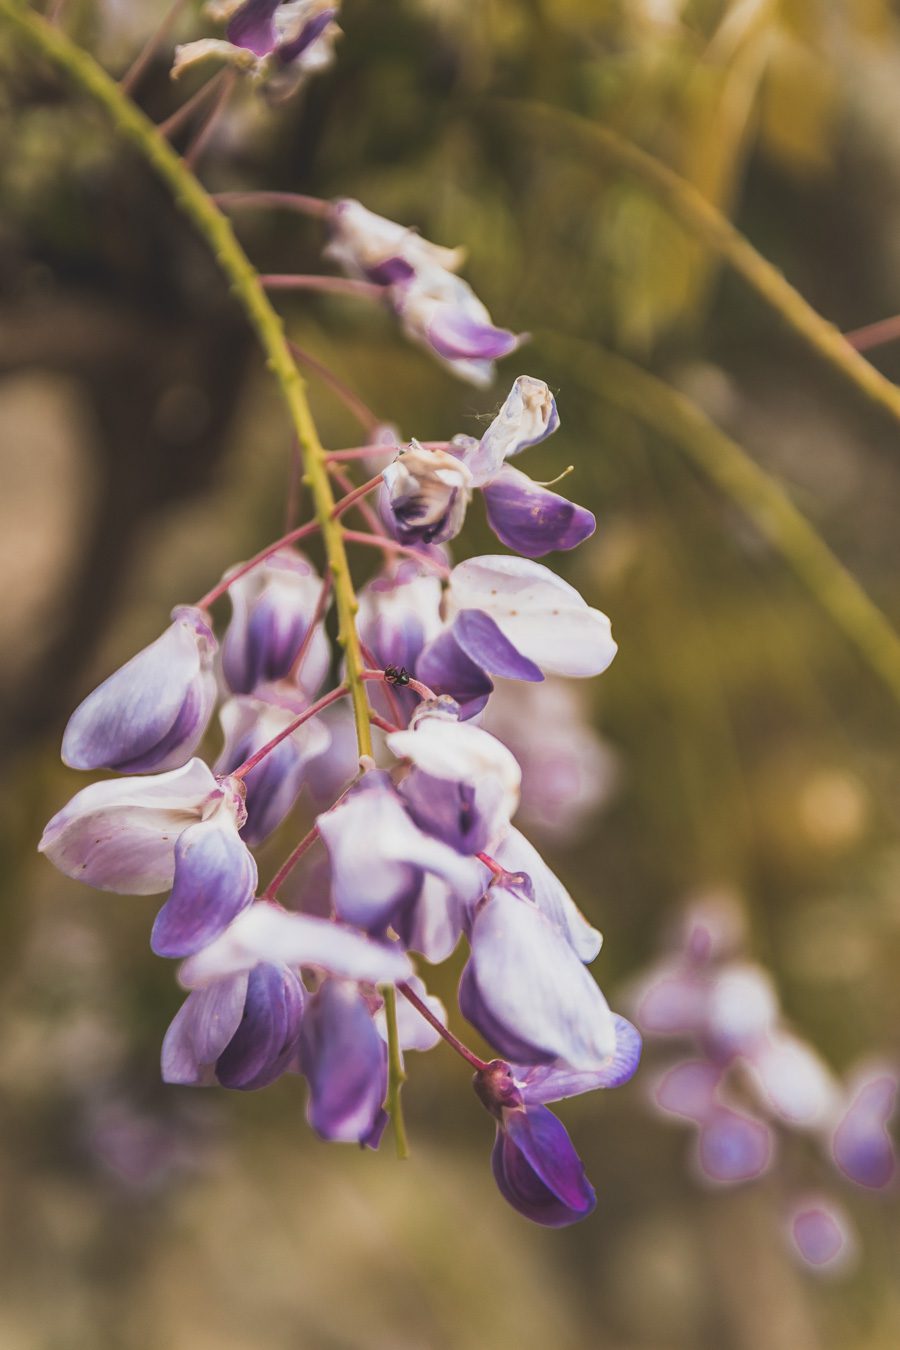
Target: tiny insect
x,y
396,675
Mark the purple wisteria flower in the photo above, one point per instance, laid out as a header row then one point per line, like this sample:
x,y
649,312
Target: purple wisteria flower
x,y
525,988
250,722
515,619
534,1162
436,308
380,857
463,787
278,44
152,713
273,609
399,613
241,1031
139,835
428,490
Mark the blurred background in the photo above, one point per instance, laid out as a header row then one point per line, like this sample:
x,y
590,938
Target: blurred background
x,y
746,748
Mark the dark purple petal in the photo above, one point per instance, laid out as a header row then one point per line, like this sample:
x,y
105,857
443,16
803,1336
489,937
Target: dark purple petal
x,y
460,814
862,1147
544,1083
265,1041
390,271
293,49
531,519
733,1147
252,27
150,714
215,878
454,334
445,668
483,642
344,1060
538,1171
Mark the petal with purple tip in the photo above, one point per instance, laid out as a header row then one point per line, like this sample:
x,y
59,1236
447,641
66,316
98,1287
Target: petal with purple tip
x,y
151,714
483,642
215,878
344,1060
201,1029
541,615
265,1042
532,520
525,989
538,1171
544,1083
119,835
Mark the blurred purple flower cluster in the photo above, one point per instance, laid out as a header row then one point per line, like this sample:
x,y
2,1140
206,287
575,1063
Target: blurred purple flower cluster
x,y
749,1077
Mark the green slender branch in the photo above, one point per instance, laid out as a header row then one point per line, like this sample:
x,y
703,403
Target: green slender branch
x,y
396,1072
215,229
715,230
756,494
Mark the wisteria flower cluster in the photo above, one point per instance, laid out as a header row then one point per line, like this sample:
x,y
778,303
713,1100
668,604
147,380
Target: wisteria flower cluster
x,y
749,1077
419,848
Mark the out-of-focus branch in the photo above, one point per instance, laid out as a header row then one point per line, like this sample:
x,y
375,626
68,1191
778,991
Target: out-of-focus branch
x,y
761,499
715,230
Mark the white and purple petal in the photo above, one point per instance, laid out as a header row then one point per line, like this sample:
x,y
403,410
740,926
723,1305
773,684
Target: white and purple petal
x,y
151,714
516,854
344,1060
527,992
528,415
273,606
542,616
215,879
201,1029
542,1083
120,834
248,723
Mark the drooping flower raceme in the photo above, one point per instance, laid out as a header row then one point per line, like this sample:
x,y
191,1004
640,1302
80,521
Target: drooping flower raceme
x,y
416,849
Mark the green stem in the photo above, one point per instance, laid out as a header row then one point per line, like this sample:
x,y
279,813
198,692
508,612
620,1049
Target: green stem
x,y
215,229
675,418
396,1072
715,229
